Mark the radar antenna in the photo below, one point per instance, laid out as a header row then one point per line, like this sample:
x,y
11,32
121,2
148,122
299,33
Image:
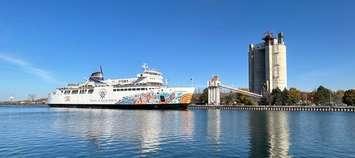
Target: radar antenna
x,y
145,66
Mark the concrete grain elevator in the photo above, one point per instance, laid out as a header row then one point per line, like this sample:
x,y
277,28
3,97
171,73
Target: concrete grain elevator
x,y
267,64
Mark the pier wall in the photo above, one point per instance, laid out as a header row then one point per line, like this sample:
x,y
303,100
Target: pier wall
x,y
273,108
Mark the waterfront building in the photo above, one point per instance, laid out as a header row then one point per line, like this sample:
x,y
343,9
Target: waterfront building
x,y
267,64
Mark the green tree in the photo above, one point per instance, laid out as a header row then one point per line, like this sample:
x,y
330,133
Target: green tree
x,y
285,97
246,100
338,97
349,97
235,98
204,96
294,96
312,97
263,101
196,98
276,97
228,99
322,96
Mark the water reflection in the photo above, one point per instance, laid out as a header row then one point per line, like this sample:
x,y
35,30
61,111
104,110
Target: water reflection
x,y
214,126
258,135
278,134
145,128
186,123
51,132
269,134
150,132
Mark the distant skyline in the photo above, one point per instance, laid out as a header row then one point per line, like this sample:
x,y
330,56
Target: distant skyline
x,y
47,44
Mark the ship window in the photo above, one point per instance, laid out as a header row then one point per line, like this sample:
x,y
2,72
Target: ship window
x,y
74,92
162,98
66,92
114,90
129,89
82,91
90,91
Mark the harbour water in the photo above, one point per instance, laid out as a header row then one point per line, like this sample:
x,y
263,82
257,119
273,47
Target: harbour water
x,y
40,131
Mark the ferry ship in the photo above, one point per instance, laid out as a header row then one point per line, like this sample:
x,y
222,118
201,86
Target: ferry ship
x,y
146,91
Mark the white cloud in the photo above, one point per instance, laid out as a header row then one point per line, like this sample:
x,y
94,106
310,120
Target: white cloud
x,y
29,68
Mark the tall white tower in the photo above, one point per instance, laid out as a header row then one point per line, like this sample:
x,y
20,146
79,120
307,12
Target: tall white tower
x,y
267,64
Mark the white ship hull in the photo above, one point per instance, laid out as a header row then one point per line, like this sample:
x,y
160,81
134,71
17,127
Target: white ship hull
x,y
108,97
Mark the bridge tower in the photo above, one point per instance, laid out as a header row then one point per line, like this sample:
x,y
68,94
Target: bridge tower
x,y
214,96
214,87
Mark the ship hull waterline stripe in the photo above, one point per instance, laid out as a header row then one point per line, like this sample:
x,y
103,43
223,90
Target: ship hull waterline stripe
x,y
125,106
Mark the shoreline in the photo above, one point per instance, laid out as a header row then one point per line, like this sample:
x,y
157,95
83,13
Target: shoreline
x,y
243,107
1,104
274,108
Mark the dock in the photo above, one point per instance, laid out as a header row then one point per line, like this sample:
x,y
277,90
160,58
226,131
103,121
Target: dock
x,y
274,108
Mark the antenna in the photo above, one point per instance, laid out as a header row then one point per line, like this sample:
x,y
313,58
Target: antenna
x,y
102,74
145,66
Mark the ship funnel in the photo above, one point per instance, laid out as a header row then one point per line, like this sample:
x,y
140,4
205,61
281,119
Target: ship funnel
x,y
97,76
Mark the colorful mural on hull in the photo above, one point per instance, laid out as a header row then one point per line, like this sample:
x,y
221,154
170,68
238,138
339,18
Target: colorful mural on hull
x,y
157,98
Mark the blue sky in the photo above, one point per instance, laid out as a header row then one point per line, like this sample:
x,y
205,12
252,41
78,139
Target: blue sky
x,y
46,44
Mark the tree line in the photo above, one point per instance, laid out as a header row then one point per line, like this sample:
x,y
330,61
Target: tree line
x,y
322,96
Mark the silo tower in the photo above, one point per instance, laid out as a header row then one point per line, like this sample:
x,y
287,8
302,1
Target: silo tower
x,y
267,64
